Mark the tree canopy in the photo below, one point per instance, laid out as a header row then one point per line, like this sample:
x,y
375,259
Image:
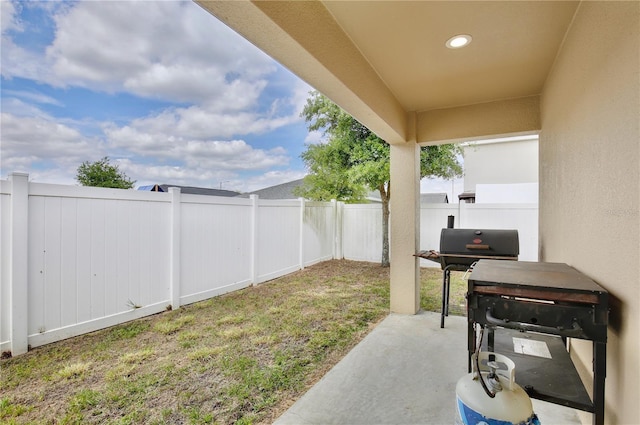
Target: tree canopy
x,y
354,160
102,174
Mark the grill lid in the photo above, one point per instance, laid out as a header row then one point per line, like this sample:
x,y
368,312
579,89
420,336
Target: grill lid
x,y
466,246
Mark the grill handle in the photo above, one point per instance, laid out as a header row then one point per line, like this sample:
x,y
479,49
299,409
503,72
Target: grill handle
x,y
575,332
477,246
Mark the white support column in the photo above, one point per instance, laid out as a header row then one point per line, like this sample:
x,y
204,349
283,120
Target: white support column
x,y
19,273
405,227
254,239
301,251
176,225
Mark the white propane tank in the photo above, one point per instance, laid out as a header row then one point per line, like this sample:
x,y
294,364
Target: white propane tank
x,y
510,405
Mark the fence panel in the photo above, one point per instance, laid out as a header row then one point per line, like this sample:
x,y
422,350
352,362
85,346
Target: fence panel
x,y
97,257
362,232
318,232
522,217
91,258
278,239
216,246
433,217
362,238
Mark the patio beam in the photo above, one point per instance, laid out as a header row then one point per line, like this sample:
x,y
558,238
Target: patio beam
x,y
511,117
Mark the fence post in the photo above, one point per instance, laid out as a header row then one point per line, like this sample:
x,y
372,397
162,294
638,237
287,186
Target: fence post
x,y
175,249
301,251
338,217
254,239
334,228
18,263
462,215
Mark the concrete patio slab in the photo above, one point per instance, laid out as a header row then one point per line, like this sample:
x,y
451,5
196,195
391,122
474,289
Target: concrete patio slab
x,y
404,372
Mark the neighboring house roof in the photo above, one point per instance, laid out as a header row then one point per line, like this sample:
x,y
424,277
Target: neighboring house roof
x,y
189,190
279,191
285,191
468,197
200,190
434,198
425,198
151,188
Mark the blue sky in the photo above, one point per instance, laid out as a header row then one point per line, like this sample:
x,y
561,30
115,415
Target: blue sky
x,y
163,88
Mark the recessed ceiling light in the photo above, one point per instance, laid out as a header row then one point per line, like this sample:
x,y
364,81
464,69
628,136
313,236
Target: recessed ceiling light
x,y
458,41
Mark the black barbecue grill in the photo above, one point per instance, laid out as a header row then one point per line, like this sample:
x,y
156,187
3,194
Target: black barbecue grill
x,y
460,249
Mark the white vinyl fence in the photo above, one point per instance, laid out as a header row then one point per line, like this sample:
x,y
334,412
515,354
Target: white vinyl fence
x,y
521,217
362,230
77,259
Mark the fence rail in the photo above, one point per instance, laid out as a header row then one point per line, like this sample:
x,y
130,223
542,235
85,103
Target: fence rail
x,y
78,259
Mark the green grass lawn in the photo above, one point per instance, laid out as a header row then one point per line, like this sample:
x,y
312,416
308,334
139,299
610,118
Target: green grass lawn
x,y
241,358
431,291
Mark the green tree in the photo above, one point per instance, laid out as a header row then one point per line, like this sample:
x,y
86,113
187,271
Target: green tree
x,y
102,174
354,161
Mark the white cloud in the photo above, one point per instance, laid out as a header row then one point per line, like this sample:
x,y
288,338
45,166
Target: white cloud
x,y
314,137
169,50
29,140
438,185
272,178
8,20
152,174
57,175
174,51
200,122
31,96
302,91
223,155
17,107
207,177
17,60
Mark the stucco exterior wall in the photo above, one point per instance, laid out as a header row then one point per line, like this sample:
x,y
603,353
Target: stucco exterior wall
x,y
589,181
499,163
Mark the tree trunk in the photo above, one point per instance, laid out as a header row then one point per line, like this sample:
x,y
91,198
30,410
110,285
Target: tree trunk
x,y
385,195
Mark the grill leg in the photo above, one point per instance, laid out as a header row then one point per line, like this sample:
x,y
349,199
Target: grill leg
x,y
446,280
599,373
446,305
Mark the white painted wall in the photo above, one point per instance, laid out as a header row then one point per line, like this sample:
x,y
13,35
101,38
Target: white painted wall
x,y
516,193
500,161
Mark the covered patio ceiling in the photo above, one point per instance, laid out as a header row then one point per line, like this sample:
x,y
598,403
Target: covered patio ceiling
x,y
386,62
